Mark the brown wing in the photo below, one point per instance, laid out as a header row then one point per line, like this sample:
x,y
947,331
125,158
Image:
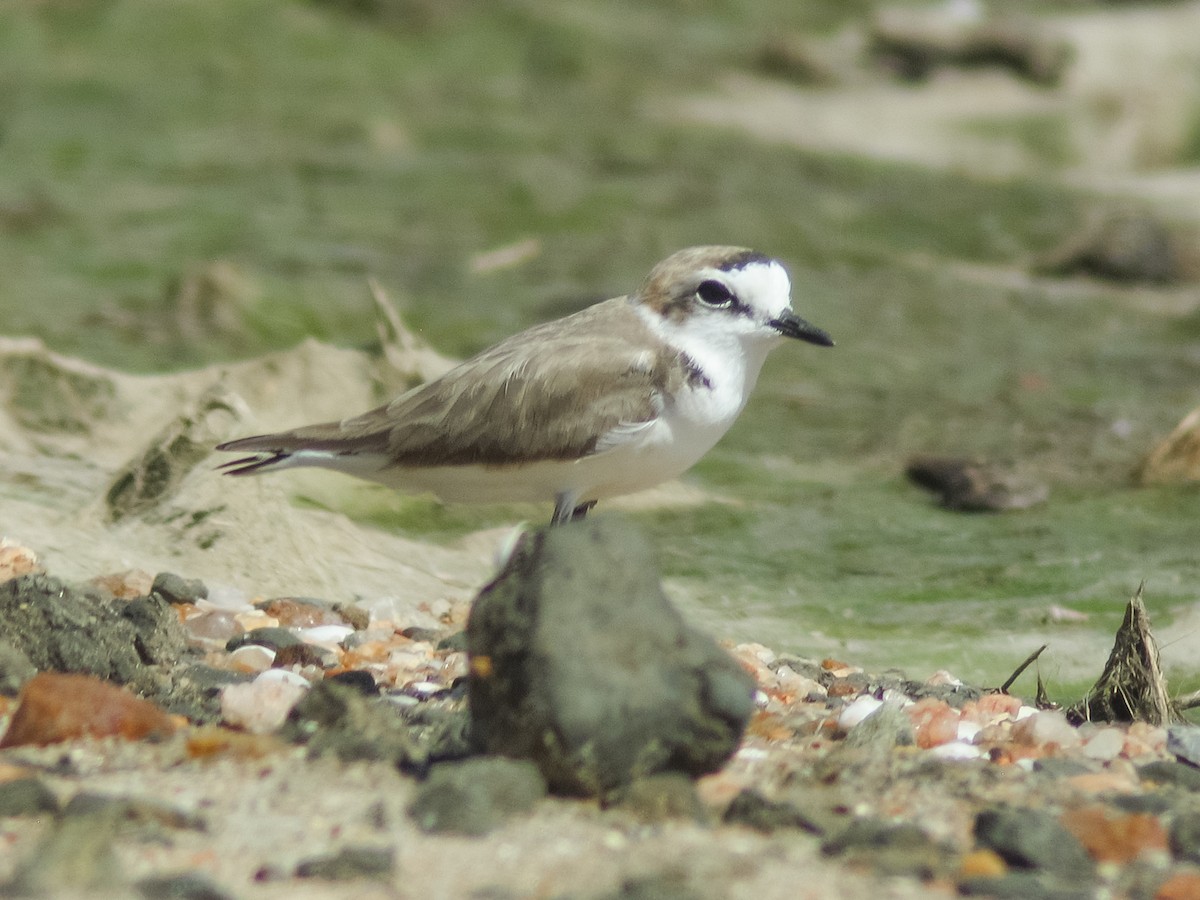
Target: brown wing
x,y
547,393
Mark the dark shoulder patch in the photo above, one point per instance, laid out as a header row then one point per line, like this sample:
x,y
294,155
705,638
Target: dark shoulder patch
x,y
695,375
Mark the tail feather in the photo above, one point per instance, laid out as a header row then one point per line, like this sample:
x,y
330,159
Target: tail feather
x,y
252,465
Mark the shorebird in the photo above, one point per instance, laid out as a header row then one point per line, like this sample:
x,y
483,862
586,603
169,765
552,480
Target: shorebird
x,y
611,400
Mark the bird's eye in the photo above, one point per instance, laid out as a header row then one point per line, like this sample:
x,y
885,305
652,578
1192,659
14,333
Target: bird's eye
x,y
713,293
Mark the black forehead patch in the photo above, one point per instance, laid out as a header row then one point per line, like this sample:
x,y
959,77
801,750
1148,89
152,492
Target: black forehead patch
x,y
742,259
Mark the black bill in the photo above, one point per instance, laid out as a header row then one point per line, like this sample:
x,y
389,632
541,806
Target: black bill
x,y
791,325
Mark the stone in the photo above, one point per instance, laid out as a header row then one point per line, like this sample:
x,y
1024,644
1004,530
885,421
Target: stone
x,y
82,630
475,796
670,885
139,812
659,798
891,849
15,669
300,612
1026,884
1167,772
272,637
75,857
26,797
1184,837
1184,742
176,589
1032,839
361,681
56,707
262,705
968,485
339,720
888,726
1127,246
182,886
752,809
350,863
1115,837
579,662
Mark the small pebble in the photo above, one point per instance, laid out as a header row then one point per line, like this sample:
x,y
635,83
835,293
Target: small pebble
x,y
1106,743
861,707
328,636
26,797
350,863
223,596
1045,728
251,658
183,886
16,560
211,626
175,589
262,705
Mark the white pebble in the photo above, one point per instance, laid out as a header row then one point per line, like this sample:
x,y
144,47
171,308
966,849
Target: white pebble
x,y
285,676
260,706
223,596
862,707
957,750
968,730
1105,744
327,636
252,658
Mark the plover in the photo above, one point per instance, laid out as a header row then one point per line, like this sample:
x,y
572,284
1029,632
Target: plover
x,y
611,400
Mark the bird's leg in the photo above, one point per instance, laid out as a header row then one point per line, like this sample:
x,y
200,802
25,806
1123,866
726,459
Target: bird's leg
x,y
564,508
582,510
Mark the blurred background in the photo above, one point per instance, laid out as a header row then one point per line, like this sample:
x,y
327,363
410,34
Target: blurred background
x,y
993,208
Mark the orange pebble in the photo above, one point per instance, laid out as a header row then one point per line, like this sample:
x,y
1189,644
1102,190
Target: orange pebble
x,y
990,708
934,722
1180,886
1115,837
216,741
982,864
55,707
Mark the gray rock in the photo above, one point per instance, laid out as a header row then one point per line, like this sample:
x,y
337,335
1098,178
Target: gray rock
x,y
752,809
580,663
274,638
1025,885
475,796
176,589
158,637
75,856
26,797
15,669
1031,839
350,863
1184,742
1184,837
891,849
1175,774
135,813
659,798
671,885
338,720
888,727
67,629
183,886
968,485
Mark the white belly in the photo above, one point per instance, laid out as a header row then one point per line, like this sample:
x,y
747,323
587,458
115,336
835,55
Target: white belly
x,y
658,453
